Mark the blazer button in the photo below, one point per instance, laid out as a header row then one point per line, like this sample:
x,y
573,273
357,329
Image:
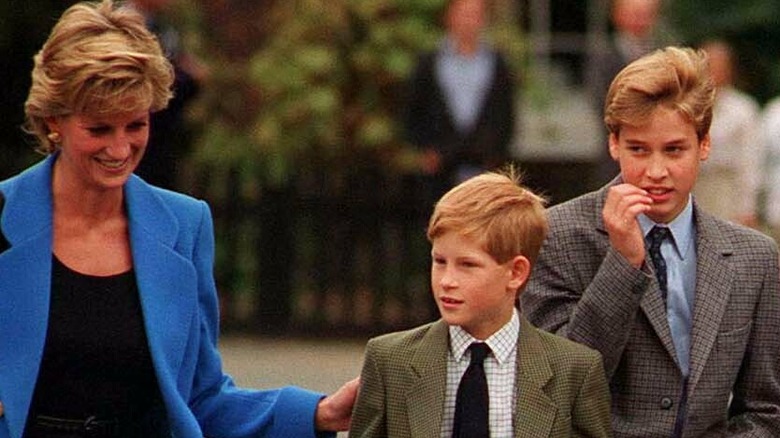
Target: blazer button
x,y
666,403
2,410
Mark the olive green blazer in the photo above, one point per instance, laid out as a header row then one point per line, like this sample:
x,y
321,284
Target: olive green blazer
x,y
560,386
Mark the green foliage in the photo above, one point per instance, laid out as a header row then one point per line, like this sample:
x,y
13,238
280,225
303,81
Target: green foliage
x,y
752,27
698,19
323,93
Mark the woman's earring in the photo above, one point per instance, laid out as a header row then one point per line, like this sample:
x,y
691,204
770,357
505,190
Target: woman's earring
x,y
54,137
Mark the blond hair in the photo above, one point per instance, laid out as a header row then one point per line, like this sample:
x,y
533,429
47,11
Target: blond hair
x,y
98,59
493,208
675,77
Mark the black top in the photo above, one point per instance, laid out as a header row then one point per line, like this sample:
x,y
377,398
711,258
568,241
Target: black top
x,y
96,359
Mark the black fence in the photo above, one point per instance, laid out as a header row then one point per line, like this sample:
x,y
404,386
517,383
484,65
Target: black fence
x,y
347,258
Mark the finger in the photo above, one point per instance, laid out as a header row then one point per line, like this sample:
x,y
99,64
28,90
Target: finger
x,y
626,207
625,189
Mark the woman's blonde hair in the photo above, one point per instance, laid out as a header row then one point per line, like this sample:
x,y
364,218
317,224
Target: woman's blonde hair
x,y
98,59
493,208
675,77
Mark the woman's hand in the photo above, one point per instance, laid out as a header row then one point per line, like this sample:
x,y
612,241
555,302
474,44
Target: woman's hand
x,y
334,412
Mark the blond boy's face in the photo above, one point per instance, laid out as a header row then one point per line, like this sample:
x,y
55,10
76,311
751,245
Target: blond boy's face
x,y
661,157
471,289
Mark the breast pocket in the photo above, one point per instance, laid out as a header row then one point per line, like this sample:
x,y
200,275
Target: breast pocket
x,y
729,350
735,338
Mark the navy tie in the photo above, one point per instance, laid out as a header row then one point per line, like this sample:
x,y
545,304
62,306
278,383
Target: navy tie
x,y
472,402
655,237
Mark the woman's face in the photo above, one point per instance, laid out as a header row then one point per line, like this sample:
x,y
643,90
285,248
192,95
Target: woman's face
x,y
101,152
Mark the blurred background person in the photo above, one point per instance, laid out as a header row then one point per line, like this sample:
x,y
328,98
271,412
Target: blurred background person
x,y
459,114
770,130
168,147
729,181
635,32
461,109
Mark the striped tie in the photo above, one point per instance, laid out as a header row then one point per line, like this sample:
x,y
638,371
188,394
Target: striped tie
x,y
655,237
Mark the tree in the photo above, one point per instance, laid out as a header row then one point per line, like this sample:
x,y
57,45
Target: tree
x,y
311,115
751,26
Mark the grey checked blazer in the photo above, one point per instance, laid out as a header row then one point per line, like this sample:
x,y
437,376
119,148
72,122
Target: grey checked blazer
x,y
584,290
560,389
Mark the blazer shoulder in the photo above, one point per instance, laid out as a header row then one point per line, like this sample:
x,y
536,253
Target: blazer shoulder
x,y
30,181
576,220
178,201
583,206
180,205
564,353
403,342
170,217
734,237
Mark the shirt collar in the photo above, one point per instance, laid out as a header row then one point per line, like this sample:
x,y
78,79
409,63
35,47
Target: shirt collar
x,y
681,228
502,343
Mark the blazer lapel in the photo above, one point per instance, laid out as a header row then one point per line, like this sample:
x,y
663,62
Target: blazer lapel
x,y
652,304
164,277
655,310
25,284
714,283
535,412
425,397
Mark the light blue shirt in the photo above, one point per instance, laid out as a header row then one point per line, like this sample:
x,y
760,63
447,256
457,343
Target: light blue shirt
x,y
679,252
465,81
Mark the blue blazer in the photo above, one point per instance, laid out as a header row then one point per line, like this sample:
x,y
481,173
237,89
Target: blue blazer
x,y
172,242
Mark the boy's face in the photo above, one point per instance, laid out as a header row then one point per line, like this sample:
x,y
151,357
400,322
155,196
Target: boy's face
x,y
471,289
662,157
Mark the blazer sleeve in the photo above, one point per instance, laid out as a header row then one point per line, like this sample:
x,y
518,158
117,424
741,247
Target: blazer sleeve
x,y
755,406
583,290
591,411
221,408
369,417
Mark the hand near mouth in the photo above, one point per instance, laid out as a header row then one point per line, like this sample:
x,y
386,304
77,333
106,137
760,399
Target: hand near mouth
x,y
624,203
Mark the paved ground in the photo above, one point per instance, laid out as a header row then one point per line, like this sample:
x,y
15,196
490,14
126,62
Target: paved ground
x,y
317,364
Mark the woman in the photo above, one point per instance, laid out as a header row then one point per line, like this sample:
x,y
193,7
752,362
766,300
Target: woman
x,y
109,304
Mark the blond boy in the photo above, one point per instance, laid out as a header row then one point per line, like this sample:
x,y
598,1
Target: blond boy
x,y
683,306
